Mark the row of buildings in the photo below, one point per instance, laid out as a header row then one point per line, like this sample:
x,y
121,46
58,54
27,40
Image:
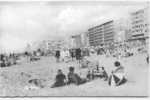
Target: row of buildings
x,y
49,45
135,28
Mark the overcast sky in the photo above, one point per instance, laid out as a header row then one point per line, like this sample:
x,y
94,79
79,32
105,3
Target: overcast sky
x,y
22,23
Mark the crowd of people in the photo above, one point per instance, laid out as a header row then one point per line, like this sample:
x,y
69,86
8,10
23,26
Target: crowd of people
x,y
72,77
115,50
66,54
8,60
116,78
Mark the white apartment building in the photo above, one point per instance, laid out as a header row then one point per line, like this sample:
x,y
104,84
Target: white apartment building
x,y
139,24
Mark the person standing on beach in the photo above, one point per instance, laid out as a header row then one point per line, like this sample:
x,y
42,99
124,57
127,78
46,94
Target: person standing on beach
x,y
57,55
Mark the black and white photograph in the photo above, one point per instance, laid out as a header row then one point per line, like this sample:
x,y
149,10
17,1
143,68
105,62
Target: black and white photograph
x,y
74,49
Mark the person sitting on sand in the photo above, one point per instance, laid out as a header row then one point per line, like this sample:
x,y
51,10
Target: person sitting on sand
x,y
74,78
117,76
60,79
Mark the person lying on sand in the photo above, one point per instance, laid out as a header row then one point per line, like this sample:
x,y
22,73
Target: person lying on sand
x,y
34,84
74,78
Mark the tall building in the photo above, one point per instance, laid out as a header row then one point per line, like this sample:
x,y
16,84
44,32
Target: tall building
x,y
109,32
139,24
102,34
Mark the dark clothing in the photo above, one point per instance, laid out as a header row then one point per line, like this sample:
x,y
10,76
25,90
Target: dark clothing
x,y
90,76
72,53
57,53
74,78
98,51
147,59
78,54
2,57
59,80
104,75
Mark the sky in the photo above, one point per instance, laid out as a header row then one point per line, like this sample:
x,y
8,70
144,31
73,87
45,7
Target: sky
x,y
26,22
